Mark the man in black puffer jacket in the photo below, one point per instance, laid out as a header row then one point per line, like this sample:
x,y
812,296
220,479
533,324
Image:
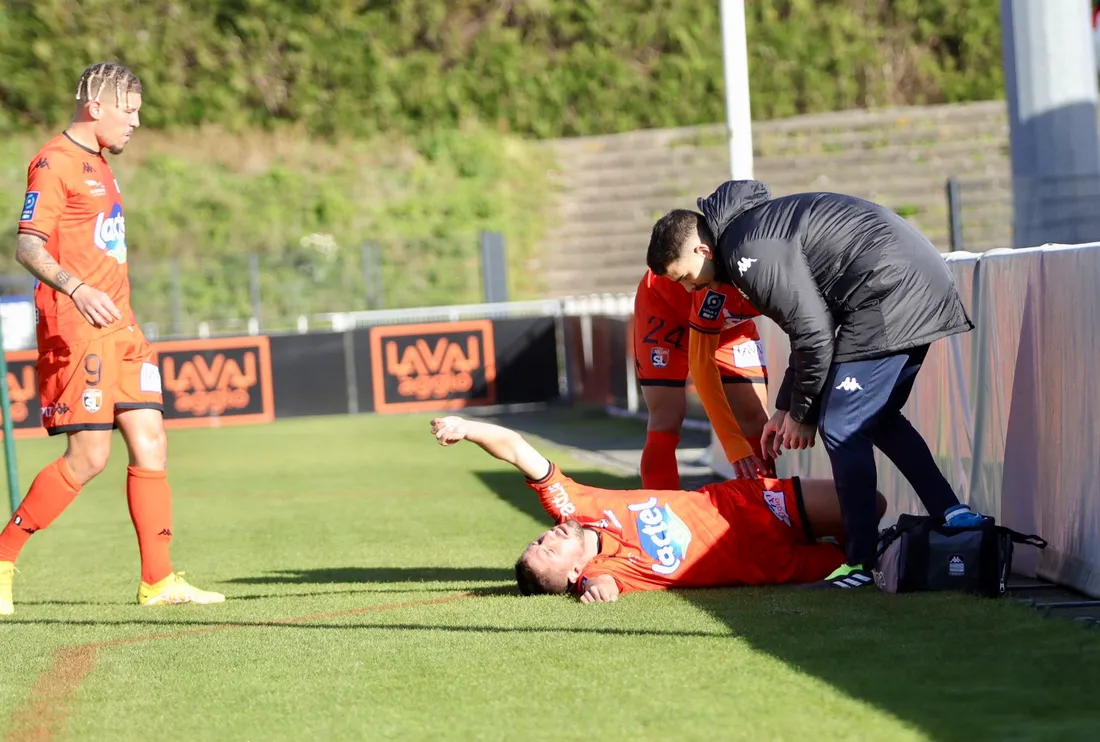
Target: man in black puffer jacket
x,y
862,294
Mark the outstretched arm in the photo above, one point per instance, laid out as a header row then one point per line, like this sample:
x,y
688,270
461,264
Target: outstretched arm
x,y
499,442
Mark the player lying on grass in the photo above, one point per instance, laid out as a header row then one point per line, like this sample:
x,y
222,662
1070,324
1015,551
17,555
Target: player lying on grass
x,y
610,542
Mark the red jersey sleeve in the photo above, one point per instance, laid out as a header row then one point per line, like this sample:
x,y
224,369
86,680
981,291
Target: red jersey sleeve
x,y
559,495
45,199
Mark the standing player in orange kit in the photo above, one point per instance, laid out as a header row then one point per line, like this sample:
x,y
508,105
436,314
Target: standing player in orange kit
x,y
711,336
96,372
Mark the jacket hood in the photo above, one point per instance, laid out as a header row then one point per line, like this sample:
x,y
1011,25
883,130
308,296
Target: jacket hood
x,y
732,199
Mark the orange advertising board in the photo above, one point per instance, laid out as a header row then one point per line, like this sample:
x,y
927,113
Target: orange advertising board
x,y
222,381
436,366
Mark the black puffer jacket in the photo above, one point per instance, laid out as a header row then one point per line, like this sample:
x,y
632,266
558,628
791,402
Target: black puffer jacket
x,y
845,278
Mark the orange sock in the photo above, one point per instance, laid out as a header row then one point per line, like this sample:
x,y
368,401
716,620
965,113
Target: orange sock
x,y
150,501
659,468
51,492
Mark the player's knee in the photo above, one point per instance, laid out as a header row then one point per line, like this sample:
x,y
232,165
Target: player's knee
x,y
666,411
665,423
832,438
752,425
149,450
87,460
880,505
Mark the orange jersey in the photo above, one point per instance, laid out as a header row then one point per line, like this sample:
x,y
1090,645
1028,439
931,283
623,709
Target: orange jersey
x,y
663,310
73,202
725,312
740,532
720,310
708,310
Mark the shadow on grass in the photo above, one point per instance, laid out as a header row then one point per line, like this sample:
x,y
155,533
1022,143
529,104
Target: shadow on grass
x,y
586,429
956,667
364,589
313,626
343,575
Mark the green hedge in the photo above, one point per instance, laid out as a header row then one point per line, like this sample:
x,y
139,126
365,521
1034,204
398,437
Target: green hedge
x,y
202,201
541,67
299,131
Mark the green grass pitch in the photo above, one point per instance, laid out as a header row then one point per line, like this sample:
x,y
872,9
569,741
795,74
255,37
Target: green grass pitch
x,y
367,568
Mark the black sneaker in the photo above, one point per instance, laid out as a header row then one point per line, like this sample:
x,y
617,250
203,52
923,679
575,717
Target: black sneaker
x,y
845,577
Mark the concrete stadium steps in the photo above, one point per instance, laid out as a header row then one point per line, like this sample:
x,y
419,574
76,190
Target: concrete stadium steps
x,y
922,189
593,223
612,188
598,170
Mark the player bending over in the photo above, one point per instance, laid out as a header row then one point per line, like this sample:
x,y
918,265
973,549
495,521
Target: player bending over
x,y
610,542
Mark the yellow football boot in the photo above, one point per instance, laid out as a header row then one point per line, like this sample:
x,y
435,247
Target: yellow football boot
x,y
174,589
7,574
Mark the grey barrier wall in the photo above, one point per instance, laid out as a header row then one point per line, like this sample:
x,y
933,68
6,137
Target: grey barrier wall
x,y
1011,410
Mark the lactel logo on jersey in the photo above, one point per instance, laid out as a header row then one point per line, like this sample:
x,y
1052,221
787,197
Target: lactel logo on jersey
x,y
663,535
110,233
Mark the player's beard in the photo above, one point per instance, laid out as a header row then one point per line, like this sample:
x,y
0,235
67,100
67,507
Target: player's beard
x,y
576,530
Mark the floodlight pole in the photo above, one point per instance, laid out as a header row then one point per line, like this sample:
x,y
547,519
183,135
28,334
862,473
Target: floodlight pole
x,y
735,68
1051,96
735,58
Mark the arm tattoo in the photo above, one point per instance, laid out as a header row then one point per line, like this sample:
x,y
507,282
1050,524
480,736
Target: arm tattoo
x,y
31,253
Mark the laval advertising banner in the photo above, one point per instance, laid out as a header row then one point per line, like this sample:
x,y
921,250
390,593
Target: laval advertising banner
x,y
224,381
413,368
205,383
444,366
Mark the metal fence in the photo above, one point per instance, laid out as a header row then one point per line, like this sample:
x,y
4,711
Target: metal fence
x,y
982,214
979,213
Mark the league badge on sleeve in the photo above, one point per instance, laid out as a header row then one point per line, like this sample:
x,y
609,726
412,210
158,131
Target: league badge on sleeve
x,y
30,203
711,308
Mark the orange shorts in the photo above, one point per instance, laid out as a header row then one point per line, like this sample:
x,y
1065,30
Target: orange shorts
x,y
662,316
774,535
82,387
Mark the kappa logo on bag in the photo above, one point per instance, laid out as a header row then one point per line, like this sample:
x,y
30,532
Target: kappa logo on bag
x,y
921,554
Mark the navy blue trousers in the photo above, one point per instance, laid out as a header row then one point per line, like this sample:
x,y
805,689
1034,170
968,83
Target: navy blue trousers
x,y
861,409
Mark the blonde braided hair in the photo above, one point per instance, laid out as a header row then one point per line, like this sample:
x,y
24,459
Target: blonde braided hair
x,y
98,76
